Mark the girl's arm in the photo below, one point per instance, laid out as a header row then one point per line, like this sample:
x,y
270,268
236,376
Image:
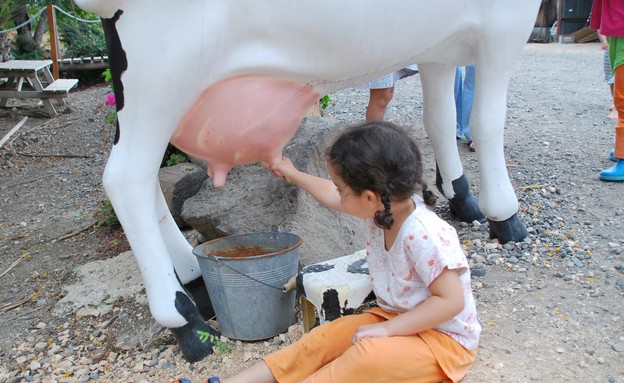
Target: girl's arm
x,y
446,301
323,190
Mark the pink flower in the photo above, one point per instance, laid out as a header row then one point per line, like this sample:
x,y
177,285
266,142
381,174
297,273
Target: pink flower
x,y
110,99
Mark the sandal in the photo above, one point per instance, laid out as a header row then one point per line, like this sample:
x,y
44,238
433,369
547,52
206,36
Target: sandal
x,y
471,146
213,379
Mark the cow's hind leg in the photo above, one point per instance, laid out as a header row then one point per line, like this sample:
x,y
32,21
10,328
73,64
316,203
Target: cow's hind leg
x,y
498,200
131,182
184,262
439,116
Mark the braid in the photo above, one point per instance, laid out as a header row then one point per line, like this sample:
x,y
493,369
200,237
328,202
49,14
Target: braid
x,y
429,196
384,218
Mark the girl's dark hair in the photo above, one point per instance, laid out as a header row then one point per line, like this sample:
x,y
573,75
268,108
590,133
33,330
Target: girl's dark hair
x,y
382,157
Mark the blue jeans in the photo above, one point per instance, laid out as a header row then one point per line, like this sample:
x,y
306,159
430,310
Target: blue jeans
x,y
464,95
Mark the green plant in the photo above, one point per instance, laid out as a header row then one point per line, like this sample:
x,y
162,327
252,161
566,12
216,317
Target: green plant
x,y
205,336
26,49
108,77
176,158
106,215
324,102
83,39
173,156
111,116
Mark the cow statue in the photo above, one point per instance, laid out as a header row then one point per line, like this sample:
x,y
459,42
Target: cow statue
x,y
229,81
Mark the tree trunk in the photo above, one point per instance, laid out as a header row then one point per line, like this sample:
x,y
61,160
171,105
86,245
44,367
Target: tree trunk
x,y
41,28
5,47
20,15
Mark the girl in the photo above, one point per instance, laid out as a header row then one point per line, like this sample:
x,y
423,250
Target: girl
x,y
607,17
425,328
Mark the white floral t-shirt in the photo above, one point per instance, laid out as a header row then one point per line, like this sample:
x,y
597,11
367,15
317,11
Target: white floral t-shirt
x,y
424,246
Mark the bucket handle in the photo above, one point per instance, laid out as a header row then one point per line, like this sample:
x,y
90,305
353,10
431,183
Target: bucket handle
x,y
281,288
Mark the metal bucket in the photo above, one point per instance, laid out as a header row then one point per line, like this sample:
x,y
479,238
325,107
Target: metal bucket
x,y
244,275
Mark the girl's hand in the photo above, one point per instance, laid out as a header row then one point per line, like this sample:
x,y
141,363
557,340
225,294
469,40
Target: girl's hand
x,y
375,330
284,169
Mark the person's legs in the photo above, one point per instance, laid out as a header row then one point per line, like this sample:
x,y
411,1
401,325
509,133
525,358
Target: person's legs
x,y
618,98
389,359
616,172
378,103
459,84
609,79
309,354
430,356
467,100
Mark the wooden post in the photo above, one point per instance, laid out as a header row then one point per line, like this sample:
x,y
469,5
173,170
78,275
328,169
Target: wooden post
x,y
559,11
53,41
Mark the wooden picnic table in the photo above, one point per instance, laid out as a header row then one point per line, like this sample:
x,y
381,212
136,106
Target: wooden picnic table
x,y
37,74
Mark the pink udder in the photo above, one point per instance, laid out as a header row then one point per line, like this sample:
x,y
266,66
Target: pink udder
x,y
243,120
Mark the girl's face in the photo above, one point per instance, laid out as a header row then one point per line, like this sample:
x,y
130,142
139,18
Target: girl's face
x,y
364,205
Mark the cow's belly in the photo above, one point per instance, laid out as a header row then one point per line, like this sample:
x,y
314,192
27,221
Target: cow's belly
x,y
243,120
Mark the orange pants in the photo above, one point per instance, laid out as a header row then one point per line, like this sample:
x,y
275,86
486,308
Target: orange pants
x,y
618,100
326,355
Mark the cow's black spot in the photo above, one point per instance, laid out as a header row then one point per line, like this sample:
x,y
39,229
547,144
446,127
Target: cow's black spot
x,y
117,61
317,268
358,267
331,305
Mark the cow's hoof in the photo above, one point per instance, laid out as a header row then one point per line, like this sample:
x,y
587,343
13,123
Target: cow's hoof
x,y
195,338
198,291
508,230
466,209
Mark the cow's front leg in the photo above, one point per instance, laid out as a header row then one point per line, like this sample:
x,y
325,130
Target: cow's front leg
x,y
497,198
131,182
439,117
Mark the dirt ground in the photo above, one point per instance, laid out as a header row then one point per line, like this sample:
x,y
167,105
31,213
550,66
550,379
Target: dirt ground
x,y
551,312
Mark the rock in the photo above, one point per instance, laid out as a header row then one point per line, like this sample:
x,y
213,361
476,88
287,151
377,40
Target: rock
x,y
254,200
113,278
179,183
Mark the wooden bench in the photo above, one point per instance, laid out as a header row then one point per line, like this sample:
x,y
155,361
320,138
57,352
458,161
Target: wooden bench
x,y
60,87
33,72
83,63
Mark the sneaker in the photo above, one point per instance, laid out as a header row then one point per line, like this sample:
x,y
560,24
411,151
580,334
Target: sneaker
x,y
213,379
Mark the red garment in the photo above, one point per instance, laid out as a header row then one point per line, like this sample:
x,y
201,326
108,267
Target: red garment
x,y
608,17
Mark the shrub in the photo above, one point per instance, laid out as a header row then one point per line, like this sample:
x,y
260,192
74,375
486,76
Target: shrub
x,y
83,39
106,215
26,49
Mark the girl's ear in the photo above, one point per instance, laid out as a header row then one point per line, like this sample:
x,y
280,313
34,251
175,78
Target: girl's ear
x,y
373,199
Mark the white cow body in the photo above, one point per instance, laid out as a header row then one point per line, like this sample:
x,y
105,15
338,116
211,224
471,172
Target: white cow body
x,y
176,50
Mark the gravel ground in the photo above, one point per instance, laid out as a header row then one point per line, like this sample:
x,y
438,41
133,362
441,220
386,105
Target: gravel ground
x,y
551,306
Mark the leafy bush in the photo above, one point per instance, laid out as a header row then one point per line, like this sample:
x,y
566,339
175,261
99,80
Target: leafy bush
x,y
26,49
173,156
83,39
106,215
